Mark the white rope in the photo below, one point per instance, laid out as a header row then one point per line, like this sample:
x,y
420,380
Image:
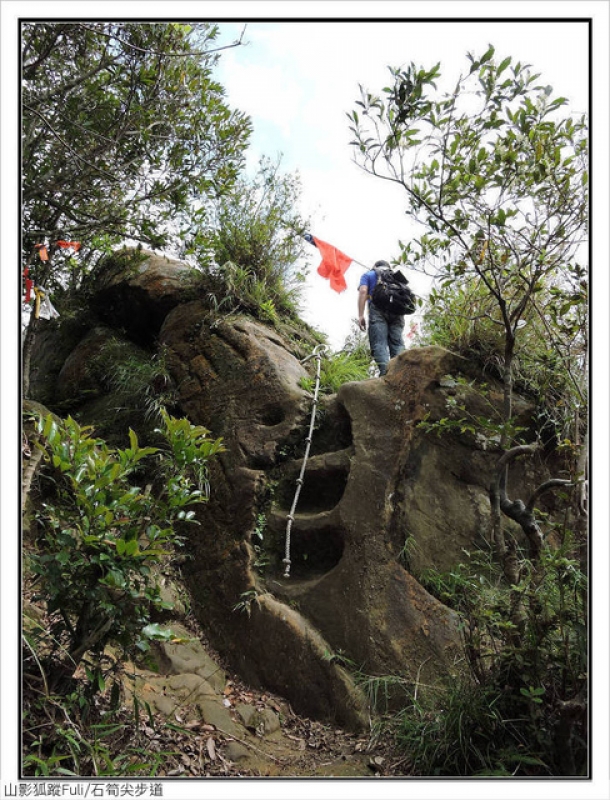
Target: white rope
x,y
317,354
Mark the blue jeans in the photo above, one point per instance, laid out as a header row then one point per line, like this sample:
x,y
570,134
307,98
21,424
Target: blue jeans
x,y
385,336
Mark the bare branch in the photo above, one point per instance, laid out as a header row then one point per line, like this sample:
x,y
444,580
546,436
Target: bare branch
x,y
185,54
550,484
511,455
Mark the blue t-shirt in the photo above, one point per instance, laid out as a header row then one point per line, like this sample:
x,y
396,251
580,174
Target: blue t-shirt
x,y
368,279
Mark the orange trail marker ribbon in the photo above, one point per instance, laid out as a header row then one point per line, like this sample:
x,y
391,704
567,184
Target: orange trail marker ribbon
x,y
42,252
29,283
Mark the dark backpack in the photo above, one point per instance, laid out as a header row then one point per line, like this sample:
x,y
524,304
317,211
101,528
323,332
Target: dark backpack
x,y
392,294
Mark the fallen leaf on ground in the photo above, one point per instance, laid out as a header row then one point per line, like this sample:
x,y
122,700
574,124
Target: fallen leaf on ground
x,y
210,746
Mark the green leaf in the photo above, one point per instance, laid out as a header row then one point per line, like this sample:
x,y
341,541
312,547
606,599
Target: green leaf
x,y
133,440
500,218
155,631
504,64
50,429
488,54
132,547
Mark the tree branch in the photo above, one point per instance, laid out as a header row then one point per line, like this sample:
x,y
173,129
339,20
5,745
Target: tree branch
x,y
70,149
61,91
510,455
517,510
550,484
147,51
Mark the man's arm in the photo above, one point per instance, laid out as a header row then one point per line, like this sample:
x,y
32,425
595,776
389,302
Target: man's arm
x,y
363,293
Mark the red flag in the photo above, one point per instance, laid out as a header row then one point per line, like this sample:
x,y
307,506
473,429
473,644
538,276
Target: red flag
x,y
334,265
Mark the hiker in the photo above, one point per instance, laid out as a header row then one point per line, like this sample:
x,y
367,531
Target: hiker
x,y
388,299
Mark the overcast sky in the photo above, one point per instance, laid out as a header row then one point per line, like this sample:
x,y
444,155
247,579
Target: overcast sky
x,y
298,81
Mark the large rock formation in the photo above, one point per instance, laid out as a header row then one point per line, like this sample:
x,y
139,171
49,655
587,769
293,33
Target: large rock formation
x,y
381,501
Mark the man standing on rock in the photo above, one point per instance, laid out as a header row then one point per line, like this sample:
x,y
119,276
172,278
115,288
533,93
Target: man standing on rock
x,y
388,298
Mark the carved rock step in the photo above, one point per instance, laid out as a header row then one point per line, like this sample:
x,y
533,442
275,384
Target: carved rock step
x,y
293,587
305,522
317,540
324,482
333,460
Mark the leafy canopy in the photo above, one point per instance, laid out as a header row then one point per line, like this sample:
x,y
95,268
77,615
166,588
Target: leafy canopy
x,y
124,130
495,177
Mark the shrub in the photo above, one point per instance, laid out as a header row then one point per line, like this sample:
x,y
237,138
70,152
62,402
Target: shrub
x,y
102,534
523,710
138,379
339,368
550,361
257,243
455,736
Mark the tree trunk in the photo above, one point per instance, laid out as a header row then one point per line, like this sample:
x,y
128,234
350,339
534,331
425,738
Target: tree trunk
x,y
581,523
32,328
497,532
34,457
26,355
507,377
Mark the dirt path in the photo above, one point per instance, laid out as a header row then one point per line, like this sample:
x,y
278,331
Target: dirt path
x,y
188,715
224,727
302,748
